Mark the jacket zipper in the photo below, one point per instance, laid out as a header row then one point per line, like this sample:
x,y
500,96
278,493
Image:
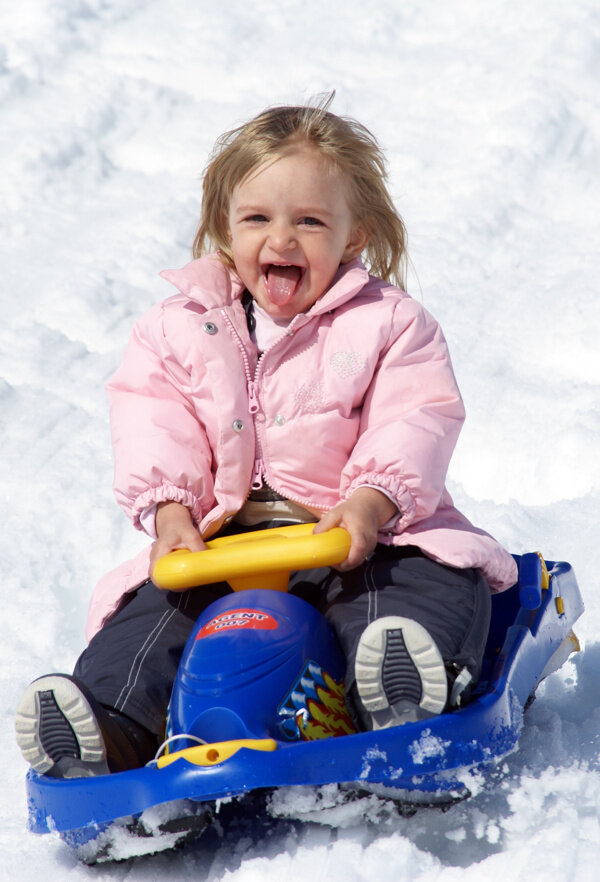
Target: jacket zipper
x,y
253,403
259,476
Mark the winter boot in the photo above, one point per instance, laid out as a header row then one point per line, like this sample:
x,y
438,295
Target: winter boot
x,y
400,674
64,732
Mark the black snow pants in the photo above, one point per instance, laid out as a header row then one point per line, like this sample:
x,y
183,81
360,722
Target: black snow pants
x,y
131,663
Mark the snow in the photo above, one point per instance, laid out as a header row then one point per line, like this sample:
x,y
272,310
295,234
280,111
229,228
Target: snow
x,y
490,117
427,746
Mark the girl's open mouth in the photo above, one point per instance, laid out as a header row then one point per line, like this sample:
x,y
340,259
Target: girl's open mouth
x,y
281,282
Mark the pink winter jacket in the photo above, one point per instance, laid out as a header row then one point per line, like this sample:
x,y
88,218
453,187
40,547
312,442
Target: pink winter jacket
x,y
358,390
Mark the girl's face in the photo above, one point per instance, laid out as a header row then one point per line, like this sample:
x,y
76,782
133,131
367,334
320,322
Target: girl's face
x,y
290,228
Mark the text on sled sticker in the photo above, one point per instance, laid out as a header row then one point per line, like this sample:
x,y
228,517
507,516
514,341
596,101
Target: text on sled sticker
x,y
238,618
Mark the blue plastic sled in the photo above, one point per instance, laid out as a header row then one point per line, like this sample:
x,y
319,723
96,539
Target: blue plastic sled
x,y
260,681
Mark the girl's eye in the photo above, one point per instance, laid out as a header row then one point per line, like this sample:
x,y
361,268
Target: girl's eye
x,y
311,222
255,218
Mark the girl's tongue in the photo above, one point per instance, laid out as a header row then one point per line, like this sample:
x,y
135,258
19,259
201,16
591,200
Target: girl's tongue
x,y
281,283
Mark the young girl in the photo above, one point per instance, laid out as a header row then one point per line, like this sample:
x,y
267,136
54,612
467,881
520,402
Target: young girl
x,y
284,382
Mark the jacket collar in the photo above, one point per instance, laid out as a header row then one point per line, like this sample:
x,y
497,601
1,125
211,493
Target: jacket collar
x,y
206,280
209,282
349,280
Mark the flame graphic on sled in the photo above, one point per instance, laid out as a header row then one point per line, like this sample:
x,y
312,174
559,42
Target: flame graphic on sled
x,y
315,707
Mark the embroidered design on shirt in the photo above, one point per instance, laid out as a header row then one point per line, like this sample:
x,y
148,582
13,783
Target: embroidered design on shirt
x,y
310,396
347,364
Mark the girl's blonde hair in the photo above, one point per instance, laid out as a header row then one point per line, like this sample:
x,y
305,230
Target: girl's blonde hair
x,y
344,143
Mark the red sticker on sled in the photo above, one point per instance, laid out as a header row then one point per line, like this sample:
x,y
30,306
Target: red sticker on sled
x,y
238,618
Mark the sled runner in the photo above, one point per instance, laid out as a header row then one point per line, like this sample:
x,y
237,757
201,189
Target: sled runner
x,y
258,702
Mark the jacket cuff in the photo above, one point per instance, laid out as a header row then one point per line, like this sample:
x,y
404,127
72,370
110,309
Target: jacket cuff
x,y
396,491
148,520
148,501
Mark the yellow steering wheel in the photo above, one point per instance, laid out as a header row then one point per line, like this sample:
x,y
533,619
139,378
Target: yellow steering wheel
x,y
262,559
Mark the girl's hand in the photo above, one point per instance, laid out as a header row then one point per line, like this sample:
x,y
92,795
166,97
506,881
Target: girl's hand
x,y
362,515
174,529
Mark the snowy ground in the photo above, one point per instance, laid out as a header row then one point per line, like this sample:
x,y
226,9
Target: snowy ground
x,y
489,114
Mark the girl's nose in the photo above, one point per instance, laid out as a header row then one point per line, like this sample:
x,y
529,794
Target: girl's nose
x,y
282,237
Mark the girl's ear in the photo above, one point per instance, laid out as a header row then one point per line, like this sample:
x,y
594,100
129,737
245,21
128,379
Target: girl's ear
x,y
358,241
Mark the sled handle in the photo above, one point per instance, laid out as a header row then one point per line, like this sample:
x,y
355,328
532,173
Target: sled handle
x,y
259,559
533,578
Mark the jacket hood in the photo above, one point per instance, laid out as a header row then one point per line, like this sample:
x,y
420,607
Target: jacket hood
x,y
209,282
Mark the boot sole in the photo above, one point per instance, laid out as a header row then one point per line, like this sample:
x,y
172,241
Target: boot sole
x,y
400,674
56,727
